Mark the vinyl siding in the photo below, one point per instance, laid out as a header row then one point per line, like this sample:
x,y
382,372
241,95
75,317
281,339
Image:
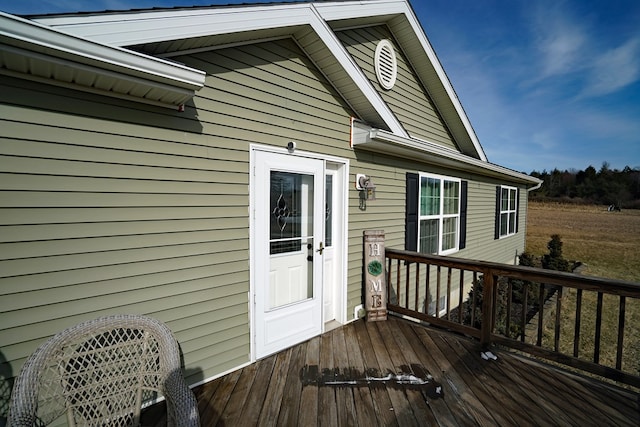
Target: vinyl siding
x,y
96,222
408,99
109,207
481,215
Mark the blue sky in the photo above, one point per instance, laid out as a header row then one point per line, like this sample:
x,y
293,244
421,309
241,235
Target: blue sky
x,y
546,83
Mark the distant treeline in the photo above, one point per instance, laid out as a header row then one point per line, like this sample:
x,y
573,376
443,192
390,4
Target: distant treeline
x,y
620,188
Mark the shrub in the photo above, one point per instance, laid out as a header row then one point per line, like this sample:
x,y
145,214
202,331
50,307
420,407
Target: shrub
x,y
554,259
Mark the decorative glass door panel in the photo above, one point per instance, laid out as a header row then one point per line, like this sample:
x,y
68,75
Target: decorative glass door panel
x,y
291,242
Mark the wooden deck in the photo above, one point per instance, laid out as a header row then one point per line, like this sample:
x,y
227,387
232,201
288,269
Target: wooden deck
x,y
371,374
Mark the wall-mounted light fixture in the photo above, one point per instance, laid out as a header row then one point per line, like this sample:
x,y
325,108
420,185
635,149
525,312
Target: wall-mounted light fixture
x,y
367,189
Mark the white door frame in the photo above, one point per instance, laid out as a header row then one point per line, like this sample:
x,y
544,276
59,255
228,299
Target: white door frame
x,y
343,167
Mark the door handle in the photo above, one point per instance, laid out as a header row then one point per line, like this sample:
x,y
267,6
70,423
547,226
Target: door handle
x,y
320,249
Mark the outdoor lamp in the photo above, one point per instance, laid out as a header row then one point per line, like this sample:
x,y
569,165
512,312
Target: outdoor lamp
x,y
367,189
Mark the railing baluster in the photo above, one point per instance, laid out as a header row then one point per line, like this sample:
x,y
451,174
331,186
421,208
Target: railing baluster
x,y
576,332
556,342
437,313
407,280
415,307
494,302
448,304
474,298
540,314
621,314
509,298
426,291
398,282
460,292
388,274
596,350
525,311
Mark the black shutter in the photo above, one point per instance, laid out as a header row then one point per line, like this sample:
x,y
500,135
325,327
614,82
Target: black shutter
x,y
411,213
517,207
497,228
463,214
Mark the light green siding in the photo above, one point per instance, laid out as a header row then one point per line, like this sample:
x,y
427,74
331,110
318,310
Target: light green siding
x,y
408,99
110,207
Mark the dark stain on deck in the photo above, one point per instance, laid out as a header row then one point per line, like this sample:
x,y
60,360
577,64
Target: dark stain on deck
x,y
413,377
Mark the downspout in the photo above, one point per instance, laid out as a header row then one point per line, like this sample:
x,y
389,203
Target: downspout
x,y
536,187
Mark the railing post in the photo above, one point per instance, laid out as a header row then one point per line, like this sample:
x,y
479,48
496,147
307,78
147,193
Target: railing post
x,y
487,308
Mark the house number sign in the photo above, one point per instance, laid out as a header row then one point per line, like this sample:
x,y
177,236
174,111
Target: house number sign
x,y
375,284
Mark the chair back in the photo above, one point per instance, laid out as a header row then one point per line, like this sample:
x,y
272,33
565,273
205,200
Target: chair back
x,y
100,372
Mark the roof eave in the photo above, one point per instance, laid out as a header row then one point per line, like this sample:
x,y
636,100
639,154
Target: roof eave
x,y
384,142
34,51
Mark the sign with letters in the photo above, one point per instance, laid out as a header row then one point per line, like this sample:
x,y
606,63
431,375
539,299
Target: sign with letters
x,y
375,283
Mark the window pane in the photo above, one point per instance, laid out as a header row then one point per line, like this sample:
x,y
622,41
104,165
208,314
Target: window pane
x,y
429,236
504,199
429,196
504,219
449,233
328,211
450,197
291,202
512,199
512,222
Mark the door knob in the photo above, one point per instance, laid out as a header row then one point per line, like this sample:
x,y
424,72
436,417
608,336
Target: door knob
x,y
320,249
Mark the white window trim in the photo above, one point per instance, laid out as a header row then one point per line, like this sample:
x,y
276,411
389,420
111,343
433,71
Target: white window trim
x,y
441,216
508,211
442,306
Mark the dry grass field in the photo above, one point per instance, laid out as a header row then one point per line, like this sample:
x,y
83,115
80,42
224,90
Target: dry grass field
x,y
608,244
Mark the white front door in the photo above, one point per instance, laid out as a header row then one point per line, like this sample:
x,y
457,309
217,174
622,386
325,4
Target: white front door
x,y
289,248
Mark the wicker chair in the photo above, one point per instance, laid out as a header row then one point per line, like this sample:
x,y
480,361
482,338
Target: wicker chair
x,y
100,373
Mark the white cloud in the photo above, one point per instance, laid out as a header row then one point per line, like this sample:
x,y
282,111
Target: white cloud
x,y
559,39
614,69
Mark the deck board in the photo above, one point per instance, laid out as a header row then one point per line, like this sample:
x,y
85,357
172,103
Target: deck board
x,y
328,381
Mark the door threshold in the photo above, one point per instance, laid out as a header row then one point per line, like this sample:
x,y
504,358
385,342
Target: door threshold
x,y
331,325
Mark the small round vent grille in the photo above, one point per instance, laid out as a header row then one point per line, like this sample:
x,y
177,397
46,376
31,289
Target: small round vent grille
x,y
385,64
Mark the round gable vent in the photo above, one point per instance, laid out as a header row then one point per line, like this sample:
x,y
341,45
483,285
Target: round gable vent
x,y
385,64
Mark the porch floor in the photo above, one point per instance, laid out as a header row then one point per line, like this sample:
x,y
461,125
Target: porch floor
x,y
378,374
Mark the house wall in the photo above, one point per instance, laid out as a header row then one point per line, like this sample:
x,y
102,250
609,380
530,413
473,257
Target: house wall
x,y
408,99
109,206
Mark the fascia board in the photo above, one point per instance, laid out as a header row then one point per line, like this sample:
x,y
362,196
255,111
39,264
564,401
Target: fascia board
x,y
336,11
381,141
355,73
133,28
39,38
453,97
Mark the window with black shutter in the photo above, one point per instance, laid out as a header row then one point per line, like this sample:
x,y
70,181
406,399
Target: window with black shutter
x,y
435,213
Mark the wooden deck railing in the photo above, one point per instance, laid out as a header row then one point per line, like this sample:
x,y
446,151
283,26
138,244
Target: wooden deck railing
x,y
524,308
